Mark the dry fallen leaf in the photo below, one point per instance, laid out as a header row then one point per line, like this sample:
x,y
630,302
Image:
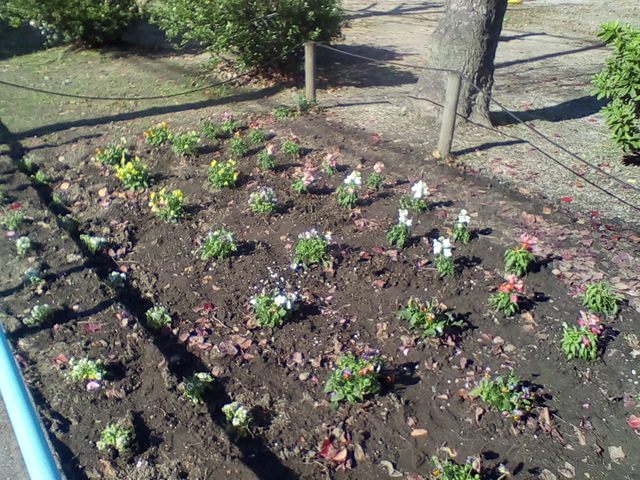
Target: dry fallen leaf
x,y
418,432
616,454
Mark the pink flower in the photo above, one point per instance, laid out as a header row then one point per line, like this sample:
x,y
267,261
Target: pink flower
x,y
513,298
330,158
378,167
505,287
307,178
586,341
511,278
634,421
519,286
591,321
269,148
527,241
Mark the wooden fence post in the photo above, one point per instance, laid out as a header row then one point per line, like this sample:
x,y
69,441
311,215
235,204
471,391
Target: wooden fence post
x,y
449,114
309,71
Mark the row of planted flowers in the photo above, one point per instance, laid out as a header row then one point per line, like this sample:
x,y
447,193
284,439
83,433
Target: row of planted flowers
x,y
354,377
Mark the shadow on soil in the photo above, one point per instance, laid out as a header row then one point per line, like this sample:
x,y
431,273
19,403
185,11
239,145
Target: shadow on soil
x,y
342,68
255,453
399,11
569,110
594,46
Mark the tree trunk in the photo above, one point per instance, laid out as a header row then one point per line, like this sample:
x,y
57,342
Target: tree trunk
x,y
465,40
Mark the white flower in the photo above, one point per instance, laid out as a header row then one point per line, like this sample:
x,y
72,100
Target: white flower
x,y
402,217
328,236
463,218
442,246
437,247
294,266
354,178
280,299
420,189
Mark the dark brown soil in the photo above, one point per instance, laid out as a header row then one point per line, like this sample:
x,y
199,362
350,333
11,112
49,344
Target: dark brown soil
x,y
279,374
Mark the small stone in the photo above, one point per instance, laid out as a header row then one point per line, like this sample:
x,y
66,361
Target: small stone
x,y
303,376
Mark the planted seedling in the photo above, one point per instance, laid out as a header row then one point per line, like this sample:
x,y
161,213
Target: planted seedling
x,y
157,134
400,233
237,418
115,436
12,219
134,174
196,386
518,259
263,201
461,232
450,470
303,182
598,298
23,245
256,134
443,257
582,341
354,378
185,143
167,206
265,158
39,314
433,319
417,202
93,244
116,280
223,174
312,247
86,369
291,145
112,155
507,298
375,179
330,164
238,145
273,308
506,394
32,275
218,245
347,193
157,317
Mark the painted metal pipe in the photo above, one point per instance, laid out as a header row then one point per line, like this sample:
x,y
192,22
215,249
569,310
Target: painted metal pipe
x,y
33,444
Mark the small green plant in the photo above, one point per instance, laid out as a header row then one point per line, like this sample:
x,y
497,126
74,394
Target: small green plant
x,y
41,177
256,133
218,245
32,275
115,436
167,206
196,386
4,198
39,314
210,129
354,378
597,297
185,143
291,145
12,219
582,341
93,244
311,248
417,201
223,174
303,104
283,111
157,134
330,163
157,317
237,418
86,369
461,232
134,174
506,299
450,470
273,308
116,280
26,164
518,259
505,394
443,257
433,319
228,124
238,145
68,222
400,233
375,179
618,82
23,245
347,193
265,158
263,201
303,182
112,155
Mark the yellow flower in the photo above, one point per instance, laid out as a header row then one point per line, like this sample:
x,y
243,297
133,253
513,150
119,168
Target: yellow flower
x,y
177,194
213,162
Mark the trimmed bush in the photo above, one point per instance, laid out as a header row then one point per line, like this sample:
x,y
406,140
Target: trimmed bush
x,y
619,82
254,31
90,22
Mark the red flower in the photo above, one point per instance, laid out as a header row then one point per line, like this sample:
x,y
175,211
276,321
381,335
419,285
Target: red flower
x,y
634,421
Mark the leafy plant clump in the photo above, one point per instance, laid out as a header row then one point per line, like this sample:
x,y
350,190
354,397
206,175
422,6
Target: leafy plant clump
x,y
167,206
218,245
85,21
505,394
134,174
185,143
400,233
116,280
375,179
354,378
433,319
237,145
23,245
256,133
115,436
263,201
272,308
157,134
255,31
238,419
303,182
196,386
518,259
311,248
12,219
39,314
157,317
112,155
443,257
291,145
506,299
265,158
618,82
417,202
86,369
41,177
450,470
93,244
598,298
32,275
461,232
223,174
347,193
582,341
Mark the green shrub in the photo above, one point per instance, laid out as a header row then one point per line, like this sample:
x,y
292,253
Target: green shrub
x,y
619,82
255,31
91,22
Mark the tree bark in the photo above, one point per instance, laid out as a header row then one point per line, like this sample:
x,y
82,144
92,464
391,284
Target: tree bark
x,y
465,40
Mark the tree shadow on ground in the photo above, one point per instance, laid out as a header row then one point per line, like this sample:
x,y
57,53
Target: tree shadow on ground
x,y
593,46
19,41
343,69
401,10
569,110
